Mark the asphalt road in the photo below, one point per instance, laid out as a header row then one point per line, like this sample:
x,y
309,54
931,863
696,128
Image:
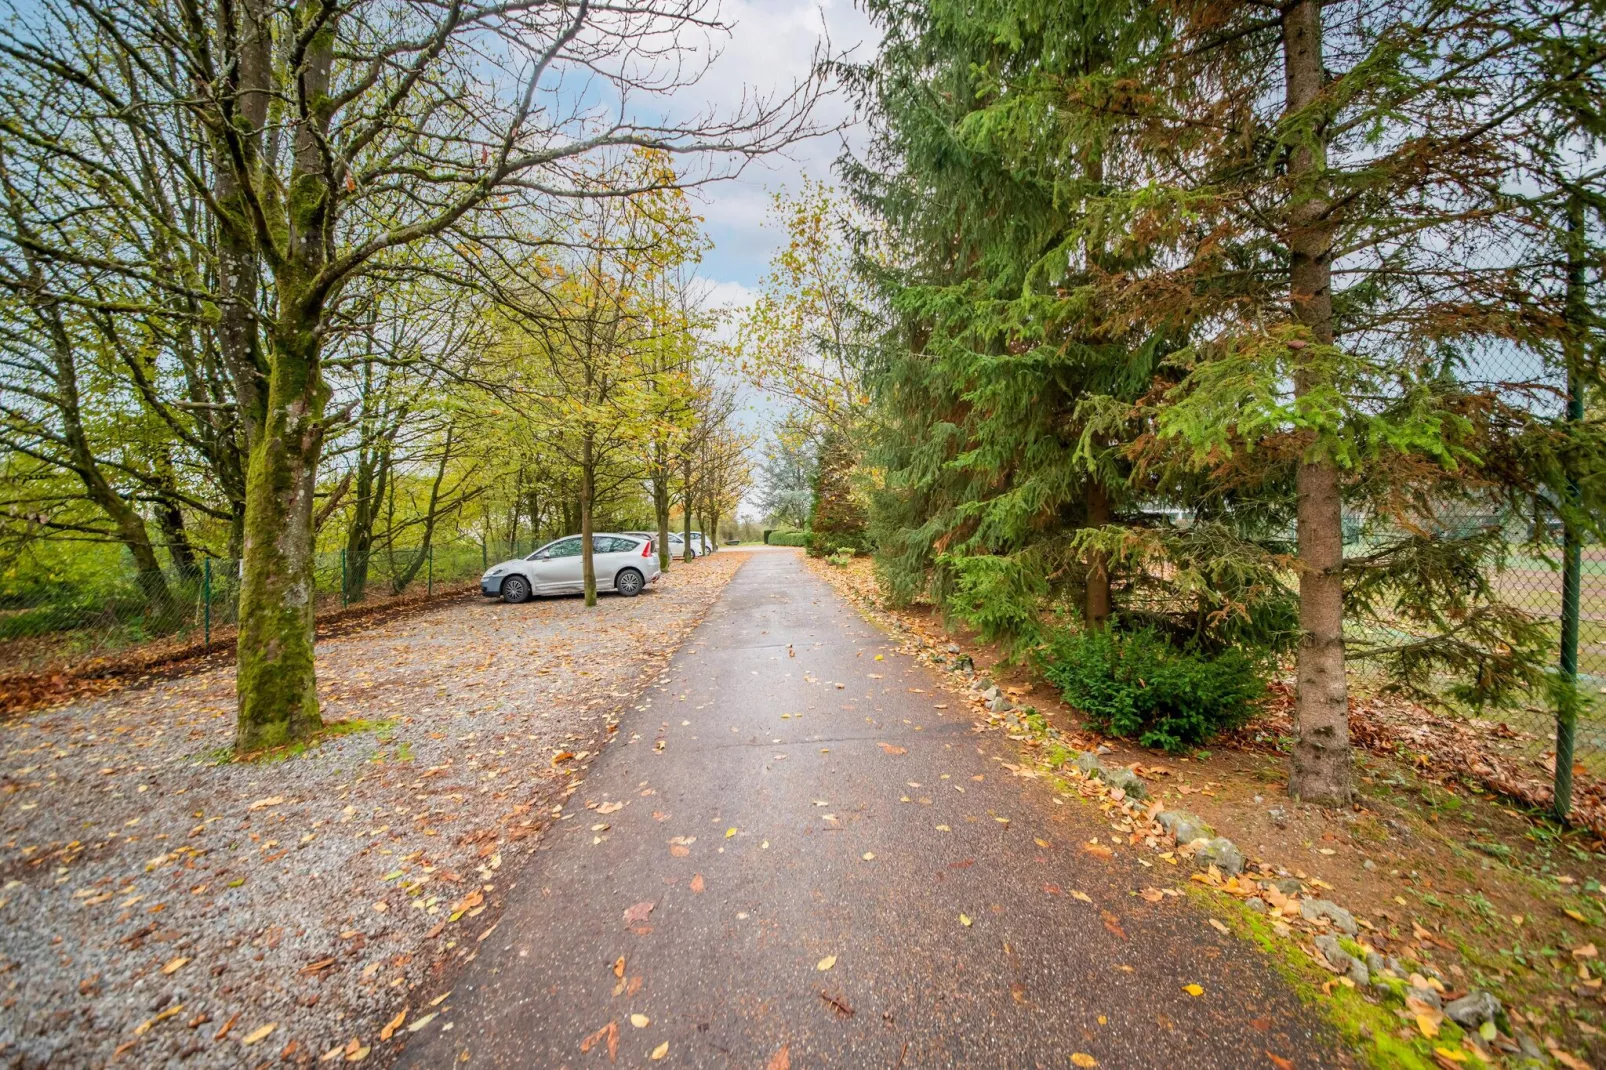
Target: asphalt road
x,y
828,809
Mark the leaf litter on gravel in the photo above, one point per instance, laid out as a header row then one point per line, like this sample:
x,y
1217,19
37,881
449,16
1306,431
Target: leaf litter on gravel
x,y
127,830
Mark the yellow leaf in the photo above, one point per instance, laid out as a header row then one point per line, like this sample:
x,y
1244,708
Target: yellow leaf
x,y
174,966
825,963
640,1021
964,919
660,1051
730,832
1193,990
393,1025
1040,842
1081,896
1575,915
1428,1025
868,856
1455,1055
258,1034
1082,1058
419,1023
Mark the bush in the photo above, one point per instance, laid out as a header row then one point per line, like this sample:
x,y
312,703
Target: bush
x,y
1138,685
790,538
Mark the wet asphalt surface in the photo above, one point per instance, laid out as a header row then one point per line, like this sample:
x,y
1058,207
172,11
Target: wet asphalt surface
x,y
725,966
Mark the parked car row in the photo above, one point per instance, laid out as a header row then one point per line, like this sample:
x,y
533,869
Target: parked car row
x,y
625,562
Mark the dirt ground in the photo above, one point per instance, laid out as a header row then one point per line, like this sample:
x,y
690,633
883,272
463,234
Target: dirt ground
x,y
1444,870
161,902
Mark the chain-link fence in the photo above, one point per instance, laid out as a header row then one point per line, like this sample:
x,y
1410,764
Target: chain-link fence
x,y
46,627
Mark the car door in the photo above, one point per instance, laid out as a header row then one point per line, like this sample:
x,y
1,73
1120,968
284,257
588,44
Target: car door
x,y
557,567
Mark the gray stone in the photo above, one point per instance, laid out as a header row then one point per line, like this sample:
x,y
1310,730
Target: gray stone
x,y
991,692
1221,853
1256,905
1316,909
1530,1048
1278,815
1104,748
964,663
1375,963
953,648
1127,781
1182,826
1088,763
1286,885
1000,704
1342,960
1426,995
1368,865
1473,1009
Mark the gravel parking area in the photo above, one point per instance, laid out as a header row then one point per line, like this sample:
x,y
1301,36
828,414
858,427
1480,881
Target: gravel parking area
x,y
160,904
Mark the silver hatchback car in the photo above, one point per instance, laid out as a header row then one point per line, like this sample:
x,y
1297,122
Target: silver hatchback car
x,y
624,563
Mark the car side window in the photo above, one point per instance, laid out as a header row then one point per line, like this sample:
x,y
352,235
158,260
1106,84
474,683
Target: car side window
x,y
564,548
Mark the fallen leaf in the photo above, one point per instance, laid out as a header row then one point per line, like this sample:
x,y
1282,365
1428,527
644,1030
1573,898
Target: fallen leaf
x,y
697,884
1152,895
1193,990
609,1032
640,1021
825,963
782,1059
1082,1058
660,1051
1219,927
868,856
730,832
1081,897
964,919
262,804
610,808
419,1023
638,913
1113,924
619,966
393,1025
178,964
1098,850
257,1035
1279,1062
890,749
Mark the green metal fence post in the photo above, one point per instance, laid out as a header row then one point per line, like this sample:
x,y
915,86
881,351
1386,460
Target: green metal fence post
x,y
206,595
343,601
1571,554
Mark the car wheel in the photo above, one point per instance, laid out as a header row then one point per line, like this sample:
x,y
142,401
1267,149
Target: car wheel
x,y
628,582
515,589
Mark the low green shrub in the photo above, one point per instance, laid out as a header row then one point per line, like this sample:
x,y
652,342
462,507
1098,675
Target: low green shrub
x,y
1138,685
790,538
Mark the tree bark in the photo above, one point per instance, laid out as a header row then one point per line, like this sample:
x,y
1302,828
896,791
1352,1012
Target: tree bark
x,y
686,553
1097,596
660,508
588,486
278,700
276,682
1320,768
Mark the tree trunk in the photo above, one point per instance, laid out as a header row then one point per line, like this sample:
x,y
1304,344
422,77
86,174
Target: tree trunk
x,y
660,508
588,564
1320,771
277,686
686,554
278,700
1097,600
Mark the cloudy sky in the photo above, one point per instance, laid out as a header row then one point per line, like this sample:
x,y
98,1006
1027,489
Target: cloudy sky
x,y
770,46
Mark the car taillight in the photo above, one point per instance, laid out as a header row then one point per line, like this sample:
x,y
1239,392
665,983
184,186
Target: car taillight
x,y
646,548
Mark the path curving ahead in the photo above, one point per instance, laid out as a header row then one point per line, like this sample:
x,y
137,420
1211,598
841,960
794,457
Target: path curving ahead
x,y
863,830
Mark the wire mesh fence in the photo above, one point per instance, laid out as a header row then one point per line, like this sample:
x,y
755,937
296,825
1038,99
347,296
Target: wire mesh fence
x,y
47,627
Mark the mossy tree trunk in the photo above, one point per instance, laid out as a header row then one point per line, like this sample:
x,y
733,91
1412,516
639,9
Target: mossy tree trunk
x,y
276,682
588,488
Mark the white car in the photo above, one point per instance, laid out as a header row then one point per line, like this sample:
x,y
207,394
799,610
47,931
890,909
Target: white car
x,y
624,563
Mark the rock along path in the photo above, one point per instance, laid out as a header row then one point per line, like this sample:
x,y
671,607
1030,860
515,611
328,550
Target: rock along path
x,y
863,830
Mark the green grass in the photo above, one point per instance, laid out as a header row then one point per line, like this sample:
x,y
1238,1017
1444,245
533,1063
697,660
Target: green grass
x,y
331,730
